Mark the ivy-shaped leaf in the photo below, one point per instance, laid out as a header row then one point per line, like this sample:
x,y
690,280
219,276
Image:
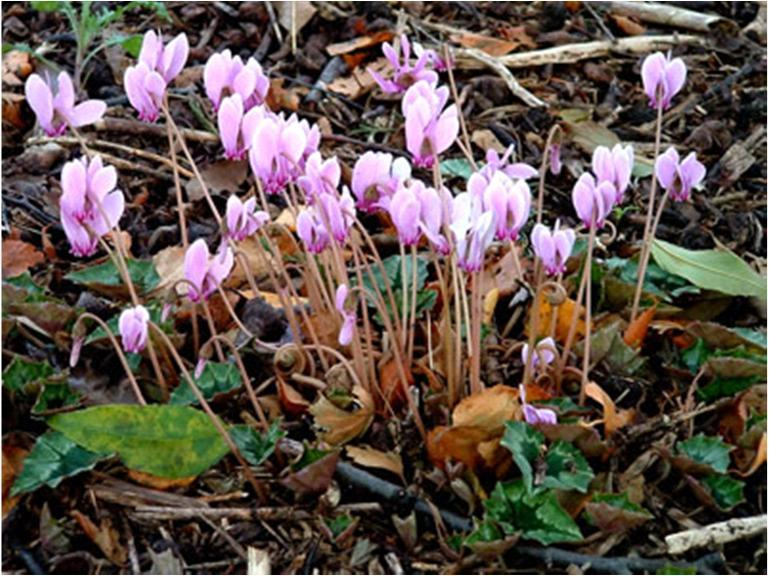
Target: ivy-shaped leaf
x,y
216,378
537,517
524,443
726,491
53,458
709,450
256,447
567,468
21,373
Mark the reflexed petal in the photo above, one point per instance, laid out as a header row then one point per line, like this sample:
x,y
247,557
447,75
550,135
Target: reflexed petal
x,y
87,113
175,55
40,99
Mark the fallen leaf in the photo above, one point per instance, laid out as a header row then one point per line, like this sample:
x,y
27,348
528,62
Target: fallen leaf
x,y
371,458
360,81
169,266
220,176
518,34
627,25
279,97
341,425
459,443
359,43
16,67
486,140
638,329
302,10
18,257
391,384
489,305
563,320
106,537
488,409
613,417
313,478
612,518
760,458
488,44
13,460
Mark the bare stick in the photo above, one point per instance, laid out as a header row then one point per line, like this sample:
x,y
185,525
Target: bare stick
x,y
498,66
715,534
672,16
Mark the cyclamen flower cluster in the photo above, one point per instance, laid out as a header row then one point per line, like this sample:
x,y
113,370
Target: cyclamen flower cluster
x,y
594,198
90,204
405,73
158,64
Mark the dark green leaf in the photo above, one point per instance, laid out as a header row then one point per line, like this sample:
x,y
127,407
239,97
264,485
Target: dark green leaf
x,y
25,282
567,468
485,532
720,270
163,440
695,356
55,395
613,513
709,450
216,378
726,491
256,447
142,273
657,281
338,524
21,373
721,387
425,299
539,517
524,442
53,458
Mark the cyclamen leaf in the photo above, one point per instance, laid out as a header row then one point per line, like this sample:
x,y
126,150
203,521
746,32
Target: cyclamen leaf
x,y
20,373
142,272
726,491
567,468
456,167
709,450
539,517
719,270
163,440
256,447
216,378
53,458
524,442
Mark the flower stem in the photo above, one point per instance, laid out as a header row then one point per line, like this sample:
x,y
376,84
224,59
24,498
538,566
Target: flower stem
x,y
644,254
588,290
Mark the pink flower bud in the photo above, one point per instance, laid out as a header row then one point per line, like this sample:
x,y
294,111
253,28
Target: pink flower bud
x,y
133,327
662,77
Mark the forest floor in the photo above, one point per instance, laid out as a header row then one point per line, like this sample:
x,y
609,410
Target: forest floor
x,y
382,501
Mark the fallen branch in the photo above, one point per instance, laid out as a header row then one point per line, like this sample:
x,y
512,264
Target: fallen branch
x,y
141,128
672,16
571,53
265,513
718,533
709,564
395,494
512,82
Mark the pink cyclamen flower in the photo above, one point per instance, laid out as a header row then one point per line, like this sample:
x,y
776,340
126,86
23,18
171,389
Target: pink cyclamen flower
x,y
158,64
429,129
237,128
555,159
206,272
679,178
405,212
278,151
145,90
90,205
349,316
473,230
242,219
133,327
532,415
543,354
56,113
338,214
437,61
662,77
376,177
404,74
312,230
593,199
614,165
167,60
552,248
516,170
510,203
436,209
225,75
321,177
